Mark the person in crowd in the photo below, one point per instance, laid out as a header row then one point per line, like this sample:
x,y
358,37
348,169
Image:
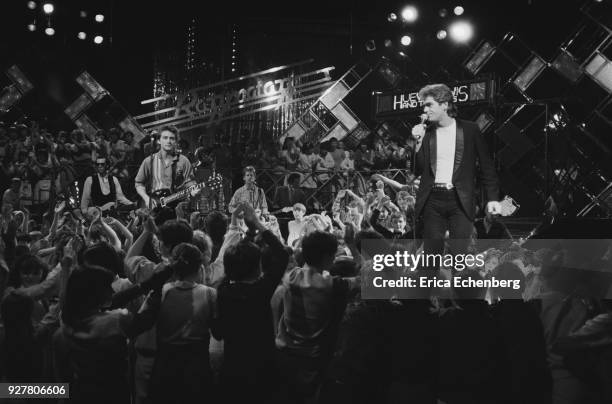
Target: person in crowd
x,y
296,225
304,304
252,273
186,314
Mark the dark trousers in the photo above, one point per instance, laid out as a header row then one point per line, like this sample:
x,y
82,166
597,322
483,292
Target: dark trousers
x,y
442,212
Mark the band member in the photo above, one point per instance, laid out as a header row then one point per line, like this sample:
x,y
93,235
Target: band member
x,y
165,170
448,150
102,188
249,193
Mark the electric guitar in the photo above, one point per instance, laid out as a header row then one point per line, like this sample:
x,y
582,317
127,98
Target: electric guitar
x,y
164,197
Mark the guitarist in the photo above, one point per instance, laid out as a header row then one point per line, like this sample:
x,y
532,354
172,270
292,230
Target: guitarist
x,y
167,170
102,188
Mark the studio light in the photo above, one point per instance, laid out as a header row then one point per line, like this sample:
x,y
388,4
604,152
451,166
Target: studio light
x,y
388,43
48,8
406,40
98,39
478,58
81,35
410,14
392,17
50,31
370,45
83,14
461,31
443,13
441,34
31,5
99,17
32,27
458,10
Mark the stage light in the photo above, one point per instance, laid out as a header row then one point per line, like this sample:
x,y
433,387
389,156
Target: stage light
x,y
461,31
406,40
441,34
458,10
402,54
443,13
31,5
98,39
32,27
388,43
99,17
392,17
50,31
48,8
478,58
530,72
410,14
81,35
83,14
370,45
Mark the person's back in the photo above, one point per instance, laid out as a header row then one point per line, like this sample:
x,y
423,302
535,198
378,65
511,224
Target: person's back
x,y
523,364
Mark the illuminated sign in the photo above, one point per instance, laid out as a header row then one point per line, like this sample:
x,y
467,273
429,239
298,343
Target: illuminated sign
x,y
407,102
262,91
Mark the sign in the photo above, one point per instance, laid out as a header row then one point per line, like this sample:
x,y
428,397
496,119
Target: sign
x,y
262,91
398,103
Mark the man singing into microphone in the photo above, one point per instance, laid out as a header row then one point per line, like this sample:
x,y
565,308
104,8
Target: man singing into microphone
x,y
447,150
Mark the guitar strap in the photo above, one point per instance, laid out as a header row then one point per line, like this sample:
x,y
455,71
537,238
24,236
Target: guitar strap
x,y
173,175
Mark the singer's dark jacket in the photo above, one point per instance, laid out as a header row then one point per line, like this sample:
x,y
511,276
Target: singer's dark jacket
x,y
471,159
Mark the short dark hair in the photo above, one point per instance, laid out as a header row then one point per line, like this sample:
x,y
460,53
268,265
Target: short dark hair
x,y
440,93
241,261
293,176
170,128
215,225
174,232
319,246
248,169
187,260
104,255
26,263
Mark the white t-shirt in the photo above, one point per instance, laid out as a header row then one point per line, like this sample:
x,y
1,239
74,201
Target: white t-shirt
x,y
446,138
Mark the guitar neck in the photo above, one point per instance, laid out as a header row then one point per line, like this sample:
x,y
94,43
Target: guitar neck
x,y
184,193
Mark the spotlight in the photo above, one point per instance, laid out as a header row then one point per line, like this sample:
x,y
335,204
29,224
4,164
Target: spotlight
x,y
49,31
81,35
388,43
31,5
461,31
406,40
402,54
99,17
32,27
83,14
48,8
443,13
410,14
441,34
458,10
98,39
370,45
392,17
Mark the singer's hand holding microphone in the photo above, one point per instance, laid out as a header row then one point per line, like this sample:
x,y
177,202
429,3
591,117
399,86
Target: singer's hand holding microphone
x,y
418,131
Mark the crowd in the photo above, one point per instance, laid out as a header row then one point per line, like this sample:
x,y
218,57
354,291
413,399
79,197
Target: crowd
x,y
185,307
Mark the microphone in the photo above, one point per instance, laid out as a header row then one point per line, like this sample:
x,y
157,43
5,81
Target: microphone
x,y
423,119
423,122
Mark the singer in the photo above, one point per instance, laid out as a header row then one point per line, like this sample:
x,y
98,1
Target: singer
x,y
165,170
447,153
249,193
